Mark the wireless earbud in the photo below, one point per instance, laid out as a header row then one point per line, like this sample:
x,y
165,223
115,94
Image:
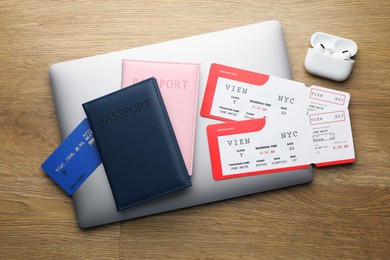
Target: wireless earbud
x,y
343,55
320,47
330,56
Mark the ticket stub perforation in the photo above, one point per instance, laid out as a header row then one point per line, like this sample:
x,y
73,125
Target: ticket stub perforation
x,y
267,145
234,94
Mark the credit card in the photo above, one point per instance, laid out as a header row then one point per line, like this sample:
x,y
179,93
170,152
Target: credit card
x,y
74,160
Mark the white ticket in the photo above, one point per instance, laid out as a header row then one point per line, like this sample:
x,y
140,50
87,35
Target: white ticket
x,y
280,143
234,94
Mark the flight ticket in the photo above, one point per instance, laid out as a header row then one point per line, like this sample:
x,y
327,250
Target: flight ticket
x,y
234,94
280,143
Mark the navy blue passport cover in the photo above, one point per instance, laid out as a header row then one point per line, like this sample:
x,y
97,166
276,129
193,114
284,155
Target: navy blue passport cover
x,y
137,144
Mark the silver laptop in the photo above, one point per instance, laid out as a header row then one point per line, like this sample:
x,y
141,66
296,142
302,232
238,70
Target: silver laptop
x,y
258,47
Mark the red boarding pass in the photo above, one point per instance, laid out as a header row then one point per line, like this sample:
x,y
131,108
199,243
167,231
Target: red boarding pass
x,y
234,94
280,143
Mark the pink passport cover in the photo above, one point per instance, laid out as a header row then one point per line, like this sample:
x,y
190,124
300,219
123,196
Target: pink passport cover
x,y
178,83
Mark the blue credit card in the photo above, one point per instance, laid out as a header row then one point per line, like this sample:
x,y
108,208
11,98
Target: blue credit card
x,y
74,160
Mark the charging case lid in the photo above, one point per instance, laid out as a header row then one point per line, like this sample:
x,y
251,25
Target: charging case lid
x,y
334,42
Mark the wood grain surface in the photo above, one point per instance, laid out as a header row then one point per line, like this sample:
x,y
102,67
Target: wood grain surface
x,y
344,213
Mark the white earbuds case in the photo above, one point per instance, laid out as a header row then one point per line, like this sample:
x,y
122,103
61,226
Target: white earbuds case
x,y
330,56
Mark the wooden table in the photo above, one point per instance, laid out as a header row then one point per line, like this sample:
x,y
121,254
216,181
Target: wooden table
x,y
343,213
